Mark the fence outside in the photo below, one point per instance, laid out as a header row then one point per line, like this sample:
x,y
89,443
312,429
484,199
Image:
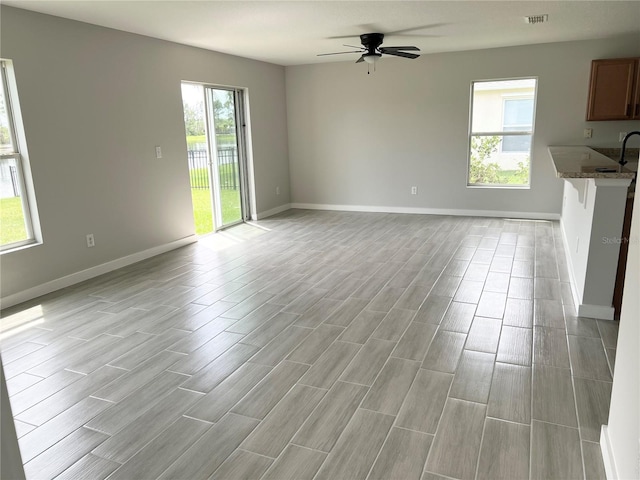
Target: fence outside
x,y
227,163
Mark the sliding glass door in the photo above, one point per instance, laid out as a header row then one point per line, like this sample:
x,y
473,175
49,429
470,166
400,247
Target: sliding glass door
x,y
214,122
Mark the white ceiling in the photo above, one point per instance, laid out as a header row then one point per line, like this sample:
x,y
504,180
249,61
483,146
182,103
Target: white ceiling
x,y
294,32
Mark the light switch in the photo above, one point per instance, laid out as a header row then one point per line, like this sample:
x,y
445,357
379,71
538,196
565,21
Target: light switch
x,y
158,151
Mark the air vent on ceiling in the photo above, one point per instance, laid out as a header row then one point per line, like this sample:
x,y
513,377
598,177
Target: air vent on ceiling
x,y
536,18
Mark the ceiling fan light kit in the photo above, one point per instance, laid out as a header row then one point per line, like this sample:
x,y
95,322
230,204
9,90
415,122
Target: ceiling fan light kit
x,y
371,51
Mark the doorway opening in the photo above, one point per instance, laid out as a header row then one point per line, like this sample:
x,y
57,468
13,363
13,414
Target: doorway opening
x,y
214,125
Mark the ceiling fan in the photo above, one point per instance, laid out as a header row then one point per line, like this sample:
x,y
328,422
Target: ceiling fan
x,y
371,51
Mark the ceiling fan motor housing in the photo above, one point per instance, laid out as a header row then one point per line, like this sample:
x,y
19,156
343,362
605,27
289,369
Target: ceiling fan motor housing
x,y
371,41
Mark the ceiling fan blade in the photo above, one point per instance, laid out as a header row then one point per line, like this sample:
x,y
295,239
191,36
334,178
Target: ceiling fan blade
x,y
338,53
354,46
402,54
413,29
411,49
361,59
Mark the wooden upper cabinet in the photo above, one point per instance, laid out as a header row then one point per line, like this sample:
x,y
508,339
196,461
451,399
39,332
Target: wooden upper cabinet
x,y
614,91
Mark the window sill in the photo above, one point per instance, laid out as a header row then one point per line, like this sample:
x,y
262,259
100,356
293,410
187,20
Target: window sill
x,y
18,248
499,187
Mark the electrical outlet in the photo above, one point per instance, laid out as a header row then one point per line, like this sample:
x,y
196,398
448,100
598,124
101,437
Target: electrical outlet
x,y
91,242
588,132
414,190
158,151
277,190
621,136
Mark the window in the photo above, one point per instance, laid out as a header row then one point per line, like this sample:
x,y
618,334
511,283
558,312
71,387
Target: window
x,y
16,226
501,132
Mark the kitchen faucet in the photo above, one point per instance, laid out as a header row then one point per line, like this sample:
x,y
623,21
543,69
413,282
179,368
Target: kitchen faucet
x,y
622,161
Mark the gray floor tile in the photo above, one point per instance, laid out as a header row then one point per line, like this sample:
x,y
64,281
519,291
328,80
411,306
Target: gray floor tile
x,y
242,465
444,352
520,288
266,394
553,399
324,426
388,391
215,372
204,457
296,463
318,313
518,313
510,397
386,298
123,445
394,325
68,396
588,359
608,332
315,344
416,340
89,467
163,450
413,297
361,328
458,317
63,454
550,347
281,346
548,313
433,309
592,400
270,329
491,305
403,455
368,362
346,312
555,452
505,451
254,319
418,414
593,464
469,291
126,411
219,401
515,345
358,447
497,282
456,446
472,380
274,433
330,365
582,327
484,335
124,386
37,441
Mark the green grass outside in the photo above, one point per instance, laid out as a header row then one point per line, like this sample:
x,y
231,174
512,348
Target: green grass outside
x,y
202,208
11,221
221,139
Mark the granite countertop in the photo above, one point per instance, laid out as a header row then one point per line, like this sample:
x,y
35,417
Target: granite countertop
x,y
579,161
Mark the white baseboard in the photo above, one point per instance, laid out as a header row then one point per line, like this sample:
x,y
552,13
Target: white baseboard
x,y
607,454
92,272
600,312
429,211
271,212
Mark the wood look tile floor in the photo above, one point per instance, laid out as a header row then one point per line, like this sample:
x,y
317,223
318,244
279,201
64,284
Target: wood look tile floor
x,y
318,345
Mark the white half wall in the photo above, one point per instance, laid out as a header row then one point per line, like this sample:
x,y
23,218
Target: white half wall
x,y
365,140
95,103
620,439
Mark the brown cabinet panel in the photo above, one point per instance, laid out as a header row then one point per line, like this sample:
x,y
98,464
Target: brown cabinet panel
x,y
614,91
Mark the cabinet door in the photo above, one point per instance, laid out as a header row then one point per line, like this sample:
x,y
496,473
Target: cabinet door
x,y
611,92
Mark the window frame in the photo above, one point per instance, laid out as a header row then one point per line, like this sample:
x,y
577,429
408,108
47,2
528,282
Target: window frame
x,y
531,132
19,155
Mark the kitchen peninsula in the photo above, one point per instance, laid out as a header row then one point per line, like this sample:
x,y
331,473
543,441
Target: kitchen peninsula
x,y
593,208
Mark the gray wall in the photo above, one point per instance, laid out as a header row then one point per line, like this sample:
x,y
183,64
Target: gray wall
x,y
95,102
364,140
